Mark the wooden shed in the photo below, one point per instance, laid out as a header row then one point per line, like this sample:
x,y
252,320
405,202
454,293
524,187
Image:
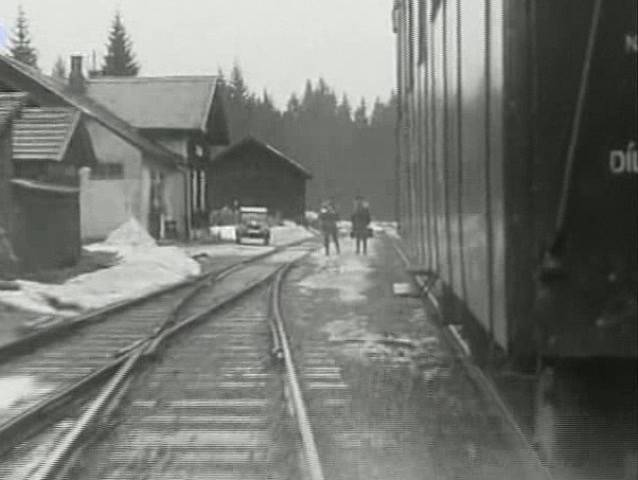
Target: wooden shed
x,y
42,148
254,173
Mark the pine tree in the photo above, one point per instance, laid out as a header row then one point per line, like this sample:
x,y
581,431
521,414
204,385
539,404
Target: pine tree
x,y
308,96
293,105
59,69
119,59
344,110
21,48
220,76
361,114
238,88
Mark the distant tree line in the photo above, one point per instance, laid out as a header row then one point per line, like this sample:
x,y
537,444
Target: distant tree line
x,y
350,151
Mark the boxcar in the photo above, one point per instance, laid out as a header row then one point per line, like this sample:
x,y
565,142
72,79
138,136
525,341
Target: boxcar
x,y
517,167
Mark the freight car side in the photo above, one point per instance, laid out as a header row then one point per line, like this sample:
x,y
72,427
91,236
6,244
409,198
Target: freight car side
x,y
493,97
450,143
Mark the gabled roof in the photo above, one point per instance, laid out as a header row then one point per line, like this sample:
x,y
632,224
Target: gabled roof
x,y
10,104
174,103
44,133
88,107
251,142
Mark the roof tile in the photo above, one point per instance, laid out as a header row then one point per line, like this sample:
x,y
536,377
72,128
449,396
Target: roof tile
x,y
10,103
43,133
176,103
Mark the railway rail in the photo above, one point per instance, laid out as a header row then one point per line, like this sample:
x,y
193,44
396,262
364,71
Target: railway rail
x,y
87,353
232,433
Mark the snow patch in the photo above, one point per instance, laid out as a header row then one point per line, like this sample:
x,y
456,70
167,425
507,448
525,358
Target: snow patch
x,y
143,267
348,274
340,330
19,388
226,250
389,228
287,233
223,232
422,354
312,216
131,234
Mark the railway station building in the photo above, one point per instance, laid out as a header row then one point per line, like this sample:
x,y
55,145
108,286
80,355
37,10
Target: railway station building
x,y
151,154
192,124
129,159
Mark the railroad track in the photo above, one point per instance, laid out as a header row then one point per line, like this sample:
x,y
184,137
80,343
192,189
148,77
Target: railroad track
x,y
226,398
86,357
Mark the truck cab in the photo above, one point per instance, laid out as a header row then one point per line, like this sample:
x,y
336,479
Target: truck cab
x,y
253,223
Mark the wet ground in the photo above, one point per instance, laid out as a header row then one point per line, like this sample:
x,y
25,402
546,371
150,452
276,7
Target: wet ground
x,y
406,409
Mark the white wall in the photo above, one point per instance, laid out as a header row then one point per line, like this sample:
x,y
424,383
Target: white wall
x,y
106,204
176,199
102,206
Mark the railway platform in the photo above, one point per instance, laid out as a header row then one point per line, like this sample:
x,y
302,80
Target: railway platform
x,y
396,401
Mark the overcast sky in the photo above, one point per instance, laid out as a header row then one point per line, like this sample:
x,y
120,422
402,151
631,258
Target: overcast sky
x,y
278,43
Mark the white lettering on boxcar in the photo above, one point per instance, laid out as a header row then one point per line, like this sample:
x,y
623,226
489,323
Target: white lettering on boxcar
x,y
631,43
624,161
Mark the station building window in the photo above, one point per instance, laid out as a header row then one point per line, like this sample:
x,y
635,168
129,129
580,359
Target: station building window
x,y
107,171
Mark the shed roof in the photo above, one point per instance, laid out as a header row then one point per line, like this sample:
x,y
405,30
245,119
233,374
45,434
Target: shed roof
x,y
10,104
44,133
251,142
172,103
88,107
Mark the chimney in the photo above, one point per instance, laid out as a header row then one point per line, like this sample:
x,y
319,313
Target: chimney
x,y
94,72
77,83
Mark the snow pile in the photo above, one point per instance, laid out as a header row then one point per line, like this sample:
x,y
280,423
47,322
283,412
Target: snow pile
x,y
143,267
19,388
287,233
223,232
389,228
226,250
344,227
130,234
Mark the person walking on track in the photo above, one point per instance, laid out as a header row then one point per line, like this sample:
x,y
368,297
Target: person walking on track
x,y
361,224
328,218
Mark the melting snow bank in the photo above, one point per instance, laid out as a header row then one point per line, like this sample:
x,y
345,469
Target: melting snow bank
x,y
346,273
14,389
288,232
143,267
389,228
